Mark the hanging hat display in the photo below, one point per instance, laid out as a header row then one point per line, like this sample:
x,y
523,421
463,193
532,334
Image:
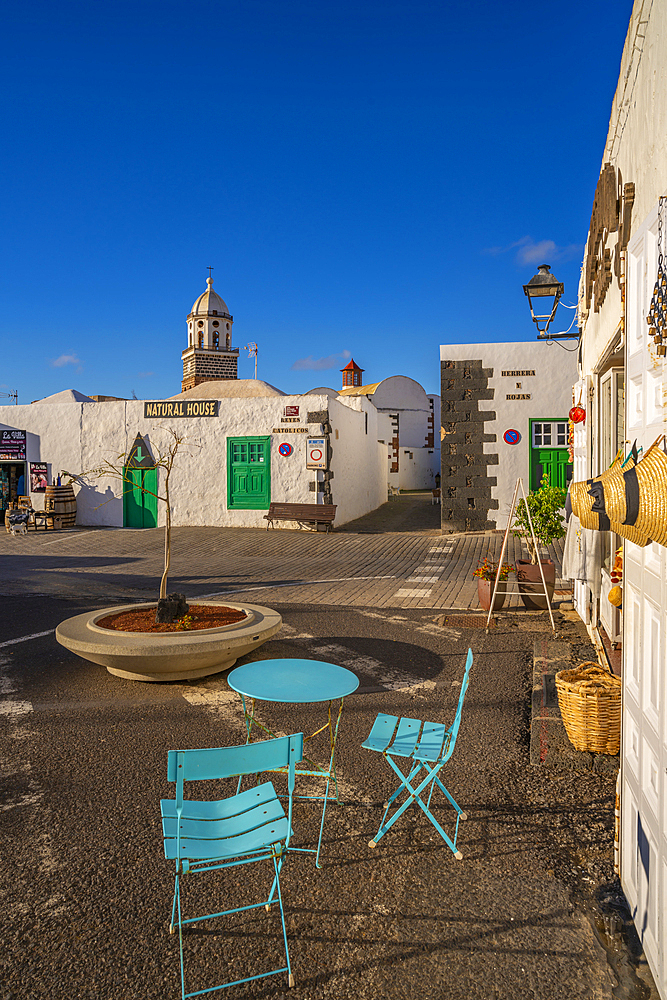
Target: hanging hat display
x,y
585,504
615,597
617,569
630,501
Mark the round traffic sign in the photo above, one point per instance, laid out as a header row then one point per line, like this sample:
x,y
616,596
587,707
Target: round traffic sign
x,y
316,455
511,436
285,449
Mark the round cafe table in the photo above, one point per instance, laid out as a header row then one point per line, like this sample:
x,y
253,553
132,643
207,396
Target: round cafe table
x,y
297,682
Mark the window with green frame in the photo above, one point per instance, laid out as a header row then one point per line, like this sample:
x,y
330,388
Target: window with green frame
x,y
548,452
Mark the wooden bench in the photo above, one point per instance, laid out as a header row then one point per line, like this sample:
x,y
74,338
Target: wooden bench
x,y
320,513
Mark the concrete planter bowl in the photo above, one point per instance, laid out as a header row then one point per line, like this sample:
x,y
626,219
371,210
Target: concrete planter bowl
x,y
167,656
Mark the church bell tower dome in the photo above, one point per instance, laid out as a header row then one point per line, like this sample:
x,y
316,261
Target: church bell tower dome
x,y
209,302
209,356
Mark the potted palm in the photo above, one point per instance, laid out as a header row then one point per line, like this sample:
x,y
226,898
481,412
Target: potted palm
x,y
486,574
543,509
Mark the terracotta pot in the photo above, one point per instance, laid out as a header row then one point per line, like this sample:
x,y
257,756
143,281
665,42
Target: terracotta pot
x,y
530,583
485,590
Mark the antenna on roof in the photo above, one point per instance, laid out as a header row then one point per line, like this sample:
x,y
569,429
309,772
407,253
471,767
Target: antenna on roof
x,y
252,353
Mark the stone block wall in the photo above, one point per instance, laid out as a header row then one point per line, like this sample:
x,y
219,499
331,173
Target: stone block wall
x,y
208,366
466,485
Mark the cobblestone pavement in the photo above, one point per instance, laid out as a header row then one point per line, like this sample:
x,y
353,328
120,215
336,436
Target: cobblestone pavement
x,y
360,565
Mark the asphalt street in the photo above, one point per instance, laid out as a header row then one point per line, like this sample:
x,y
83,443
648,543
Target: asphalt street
x,y
87,892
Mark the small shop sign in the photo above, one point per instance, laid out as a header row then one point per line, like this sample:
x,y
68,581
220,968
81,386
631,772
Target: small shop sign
x,y
291,411
12,446
140,457
38,477
316,453
182,408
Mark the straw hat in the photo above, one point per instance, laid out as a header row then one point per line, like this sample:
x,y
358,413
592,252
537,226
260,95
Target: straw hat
x,y
634,501
584,497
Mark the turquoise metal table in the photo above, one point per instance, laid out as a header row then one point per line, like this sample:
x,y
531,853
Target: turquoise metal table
x,y
297,682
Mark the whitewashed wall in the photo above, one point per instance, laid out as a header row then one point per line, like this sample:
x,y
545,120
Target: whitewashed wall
x,y
636,145
550,391
77,437
401,394
358,460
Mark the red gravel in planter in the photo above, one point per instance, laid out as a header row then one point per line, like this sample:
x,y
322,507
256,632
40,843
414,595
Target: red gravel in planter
x,y
143,620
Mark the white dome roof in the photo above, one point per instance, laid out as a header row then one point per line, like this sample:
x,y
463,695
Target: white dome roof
x,y
209,302
230,388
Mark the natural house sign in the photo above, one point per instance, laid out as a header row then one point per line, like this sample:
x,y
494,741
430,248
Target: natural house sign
x,y
182,408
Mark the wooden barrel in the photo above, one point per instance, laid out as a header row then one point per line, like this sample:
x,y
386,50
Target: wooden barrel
x,y
61,500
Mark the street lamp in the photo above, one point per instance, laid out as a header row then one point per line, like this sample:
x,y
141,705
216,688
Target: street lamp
x,y
544,292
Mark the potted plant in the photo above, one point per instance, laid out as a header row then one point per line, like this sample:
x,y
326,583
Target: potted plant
x,y
486,574
166,639
544,509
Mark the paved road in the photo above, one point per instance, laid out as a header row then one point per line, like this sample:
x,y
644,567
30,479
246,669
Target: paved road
x,y
86,891
400,567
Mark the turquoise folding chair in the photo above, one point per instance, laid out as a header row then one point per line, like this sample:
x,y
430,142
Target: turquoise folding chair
x,y
429,745
250,826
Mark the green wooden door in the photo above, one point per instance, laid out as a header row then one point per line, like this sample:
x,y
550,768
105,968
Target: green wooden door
x,y
139,499
554,462
248,473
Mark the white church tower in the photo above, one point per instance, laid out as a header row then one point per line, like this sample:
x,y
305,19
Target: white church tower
x,y
209,356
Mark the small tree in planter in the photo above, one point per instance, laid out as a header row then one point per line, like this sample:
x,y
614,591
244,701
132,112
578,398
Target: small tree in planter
x,y
187,650
173,606
545,507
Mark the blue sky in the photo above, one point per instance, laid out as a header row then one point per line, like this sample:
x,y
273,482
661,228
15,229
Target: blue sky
x,y
370,178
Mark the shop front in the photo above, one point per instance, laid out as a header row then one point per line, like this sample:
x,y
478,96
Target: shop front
x,y
12,467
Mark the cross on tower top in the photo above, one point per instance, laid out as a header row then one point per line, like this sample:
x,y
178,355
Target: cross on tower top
x,y
209,271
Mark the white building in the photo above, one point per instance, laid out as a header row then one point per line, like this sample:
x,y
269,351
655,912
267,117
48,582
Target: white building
x,y
623,387
504,415
407,422
245,444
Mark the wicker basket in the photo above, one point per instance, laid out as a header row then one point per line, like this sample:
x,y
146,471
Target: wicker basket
x,y
590,705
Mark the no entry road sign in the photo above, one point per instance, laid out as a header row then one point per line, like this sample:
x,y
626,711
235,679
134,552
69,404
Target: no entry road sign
x,y
316,453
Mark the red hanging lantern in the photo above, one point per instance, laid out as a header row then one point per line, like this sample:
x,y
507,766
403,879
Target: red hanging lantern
x,y
577,414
